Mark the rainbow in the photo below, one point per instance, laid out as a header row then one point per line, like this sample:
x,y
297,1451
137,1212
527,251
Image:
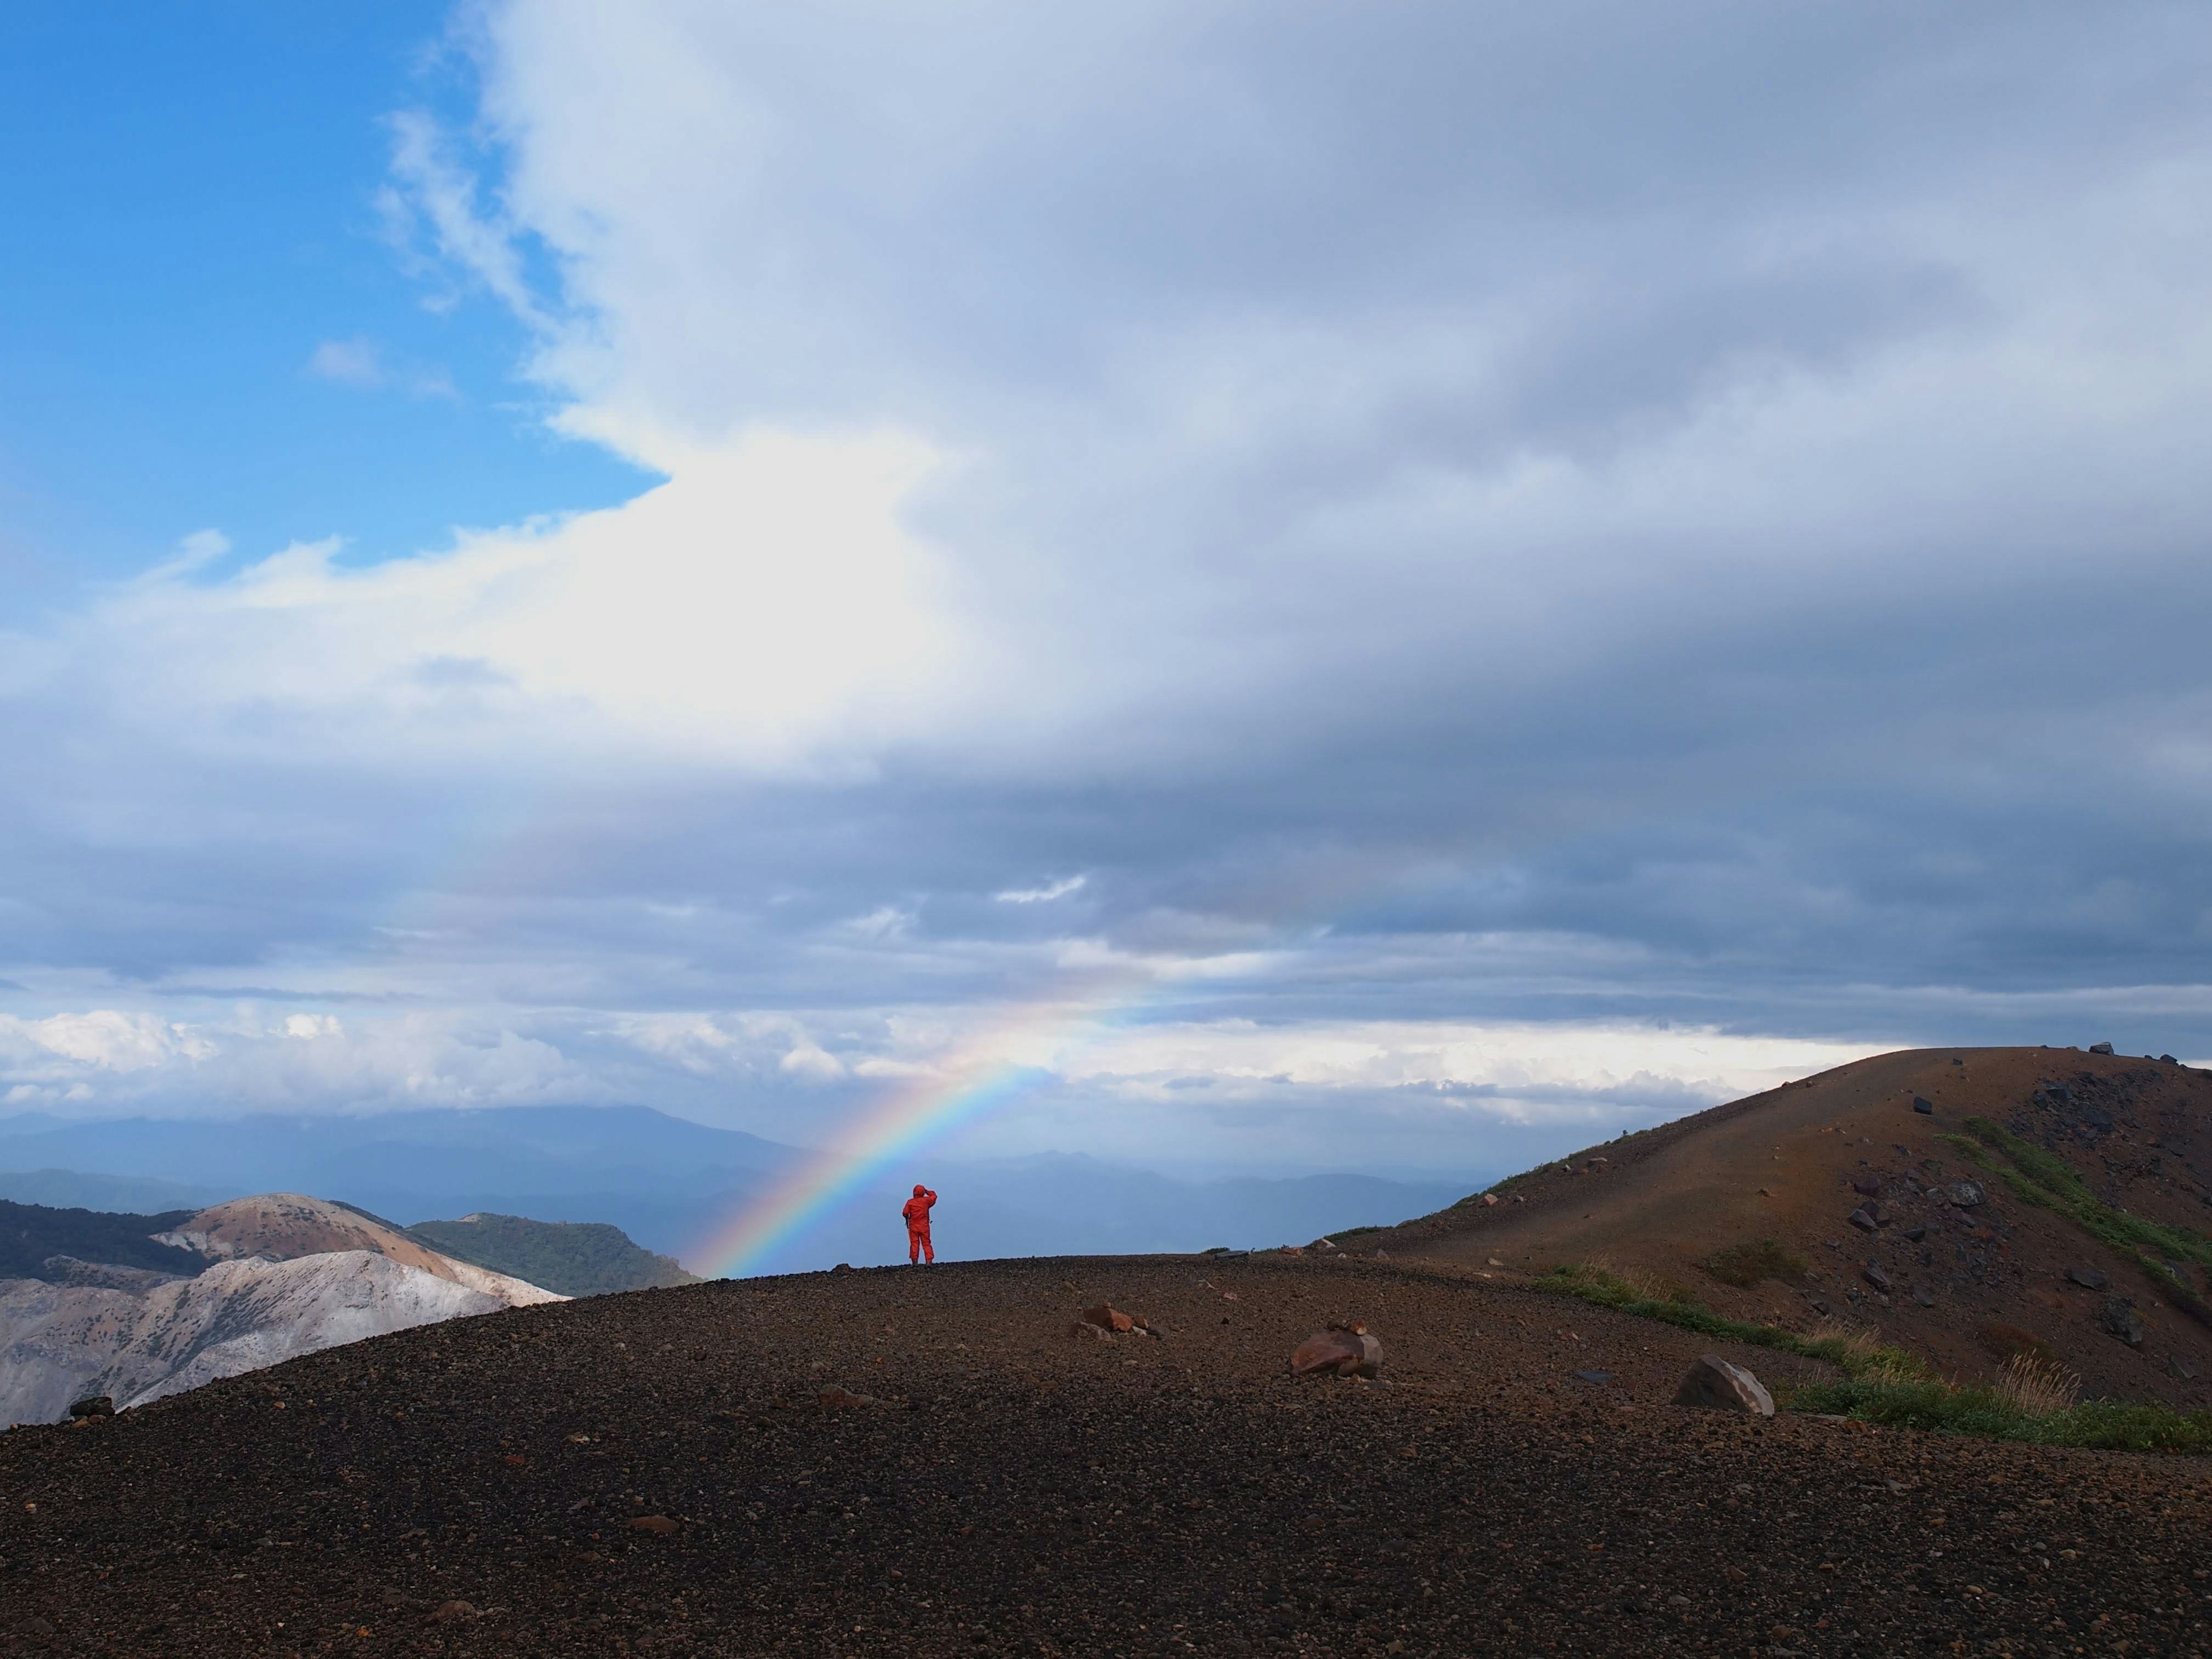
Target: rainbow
x,y
909,1119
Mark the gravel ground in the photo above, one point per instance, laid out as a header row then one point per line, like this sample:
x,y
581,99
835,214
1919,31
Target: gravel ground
x,y
1014,1490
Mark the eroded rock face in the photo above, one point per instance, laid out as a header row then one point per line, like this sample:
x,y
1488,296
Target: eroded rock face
x,y
1715,1384
61,1343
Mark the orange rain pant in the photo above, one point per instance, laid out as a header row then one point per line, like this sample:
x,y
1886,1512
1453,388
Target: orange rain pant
x,y
918,1246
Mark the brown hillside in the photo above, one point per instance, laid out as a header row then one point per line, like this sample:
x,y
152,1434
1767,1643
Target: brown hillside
x,y
1966,1282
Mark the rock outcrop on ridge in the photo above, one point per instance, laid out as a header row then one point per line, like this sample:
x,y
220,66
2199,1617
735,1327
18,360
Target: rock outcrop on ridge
x,y
279,1275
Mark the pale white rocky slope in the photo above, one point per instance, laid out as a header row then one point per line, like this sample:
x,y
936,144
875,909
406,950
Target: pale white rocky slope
x,y
288,1275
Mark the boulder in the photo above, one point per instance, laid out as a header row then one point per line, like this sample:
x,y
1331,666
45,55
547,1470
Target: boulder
x,y
2100,1047
1107,1317
1925,1107
1714,1384
2169,1060
660,1525
1084,1328
1864,1220
1340,1351
1489,1199
2119,1317
838,1398
1966,1193
96,1405
451,1613
2089,1278
1874,1275
2176,1366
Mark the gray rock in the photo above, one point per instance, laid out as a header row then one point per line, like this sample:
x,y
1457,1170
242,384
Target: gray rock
x,y
1966,1193
2089,1278
1874,1275
2176,1367
1916,1233
1714,1384
1864,1222
1921,1297
93,1405
1601,1378
1867,1187
2119,1317
1925,1107
2100,1047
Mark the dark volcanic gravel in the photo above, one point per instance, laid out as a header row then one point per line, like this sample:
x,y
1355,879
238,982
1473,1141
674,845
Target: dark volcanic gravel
x,y
1016,1490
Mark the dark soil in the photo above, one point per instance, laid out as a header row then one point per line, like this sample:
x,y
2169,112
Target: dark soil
x,y
1015,1490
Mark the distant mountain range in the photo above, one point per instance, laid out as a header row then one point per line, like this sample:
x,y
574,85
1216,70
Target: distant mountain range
x,y
672,1184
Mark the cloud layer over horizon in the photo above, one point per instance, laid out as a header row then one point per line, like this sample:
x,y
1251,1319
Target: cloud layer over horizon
x,y
1395,571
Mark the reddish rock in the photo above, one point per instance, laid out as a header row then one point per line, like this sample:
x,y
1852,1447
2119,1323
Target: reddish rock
x,y
1107,1317
1488,1199
451,1613
835,1398
1340,1351
660,1525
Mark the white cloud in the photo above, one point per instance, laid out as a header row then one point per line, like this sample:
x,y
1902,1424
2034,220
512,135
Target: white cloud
x,y
362,363
100,1039
356,362
767,607
1044,895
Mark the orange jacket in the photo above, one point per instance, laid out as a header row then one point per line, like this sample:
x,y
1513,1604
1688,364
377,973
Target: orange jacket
x,y
916,1210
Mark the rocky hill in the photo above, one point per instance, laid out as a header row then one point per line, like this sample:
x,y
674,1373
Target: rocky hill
x,y
230,1289
576,1258
925,1464
1966,1204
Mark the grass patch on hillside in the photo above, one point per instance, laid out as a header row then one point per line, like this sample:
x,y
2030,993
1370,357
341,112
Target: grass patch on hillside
x,y
2042,1178
1852,1353
2032,1400
1992,1413
1744,1264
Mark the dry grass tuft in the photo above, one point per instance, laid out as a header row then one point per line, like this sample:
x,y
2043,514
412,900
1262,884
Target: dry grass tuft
x,y
1861,1353
1647,1285
2036,1388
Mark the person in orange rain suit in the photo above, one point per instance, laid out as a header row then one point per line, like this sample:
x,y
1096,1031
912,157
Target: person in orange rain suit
x,y
917,1212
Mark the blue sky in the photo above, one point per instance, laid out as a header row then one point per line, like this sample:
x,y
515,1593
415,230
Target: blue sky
x,y
194,192
1334,585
